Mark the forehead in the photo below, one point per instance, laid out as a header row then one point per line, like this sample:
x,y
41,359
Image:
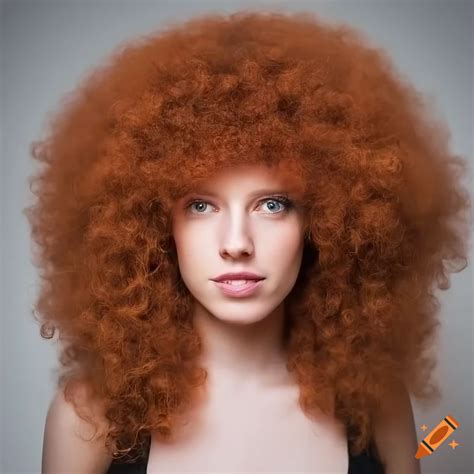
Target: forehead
x,y
244,175
249,178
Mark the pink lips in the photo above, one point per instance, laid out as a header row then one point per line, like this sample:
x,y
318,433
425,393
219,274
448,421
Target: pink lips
x,y
239,291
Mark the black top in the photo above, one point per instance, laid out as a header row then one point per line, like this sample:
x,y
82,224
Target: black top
x,y
364,463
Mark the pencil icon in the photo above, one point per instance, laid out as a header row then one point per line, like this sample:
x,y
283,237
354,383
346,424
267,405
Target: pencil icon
x,y
436,437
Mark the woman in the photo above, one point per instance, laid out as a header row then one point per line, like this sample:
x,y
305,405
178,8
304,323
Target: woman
x,y
271,144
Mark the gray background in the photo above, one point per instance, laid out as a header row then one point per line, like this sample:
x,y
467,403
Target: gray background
x,y
46,47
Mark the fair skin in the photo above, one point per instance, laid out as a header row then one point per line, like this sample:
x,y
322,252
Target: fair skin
x,y
249,418
239,228
395,433
71,444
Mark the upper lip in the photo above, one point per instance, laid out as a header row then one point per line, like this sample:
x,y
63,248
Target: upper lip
x,y
238,276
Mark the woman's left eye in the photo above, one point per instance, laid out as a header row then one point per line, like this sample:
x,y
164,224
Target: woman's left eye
x,y
275,205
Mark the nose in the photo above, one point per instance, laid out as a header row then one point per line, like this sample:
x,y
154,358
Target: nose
x,y
237,241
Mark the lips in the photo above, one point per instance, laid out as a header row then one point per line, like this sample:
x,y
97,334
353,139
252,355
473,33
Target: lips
x,y
238,276
240,288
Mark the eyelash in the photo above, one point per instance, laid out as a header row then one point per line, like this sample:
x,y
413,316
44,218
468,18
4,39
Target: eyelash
x,y
280,199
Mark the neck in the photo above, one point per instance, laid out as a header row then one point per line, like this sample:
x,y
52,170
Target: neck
x,y
242,354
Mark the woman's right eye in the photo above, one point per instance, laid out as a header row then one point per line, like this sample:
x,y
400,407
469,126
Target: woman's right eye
x,y
200,206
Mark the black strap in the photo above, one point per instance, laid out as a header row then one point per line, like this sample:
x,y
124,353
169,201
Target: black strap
x,y
137,467
363,463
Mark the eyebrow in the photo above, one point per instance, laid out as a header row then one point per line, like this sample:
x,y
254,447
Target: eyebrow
x,y
255,193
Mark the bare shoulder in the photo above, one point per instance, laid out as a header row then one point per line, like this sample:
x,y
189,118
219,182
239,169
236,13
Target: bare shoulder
x,y
395,433
71,444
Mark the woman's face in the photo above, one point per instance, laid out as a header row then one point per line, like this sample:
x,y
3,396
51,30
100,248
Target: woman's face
x,y
237,222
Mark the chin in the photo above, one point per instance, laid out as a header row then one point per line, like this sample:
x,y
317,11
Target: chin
x,y
240,312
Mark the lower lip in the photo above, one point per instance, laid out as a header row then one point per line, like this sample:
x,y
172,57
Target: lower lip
x,y
241,290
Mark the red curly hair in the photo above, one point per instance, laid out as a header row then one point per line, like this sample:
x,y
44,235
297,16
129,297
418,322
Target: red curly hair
x,y
386,214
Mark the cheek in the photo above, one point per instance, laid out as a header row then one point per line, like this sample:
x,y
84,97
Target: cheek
x,y
192,246
284,246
